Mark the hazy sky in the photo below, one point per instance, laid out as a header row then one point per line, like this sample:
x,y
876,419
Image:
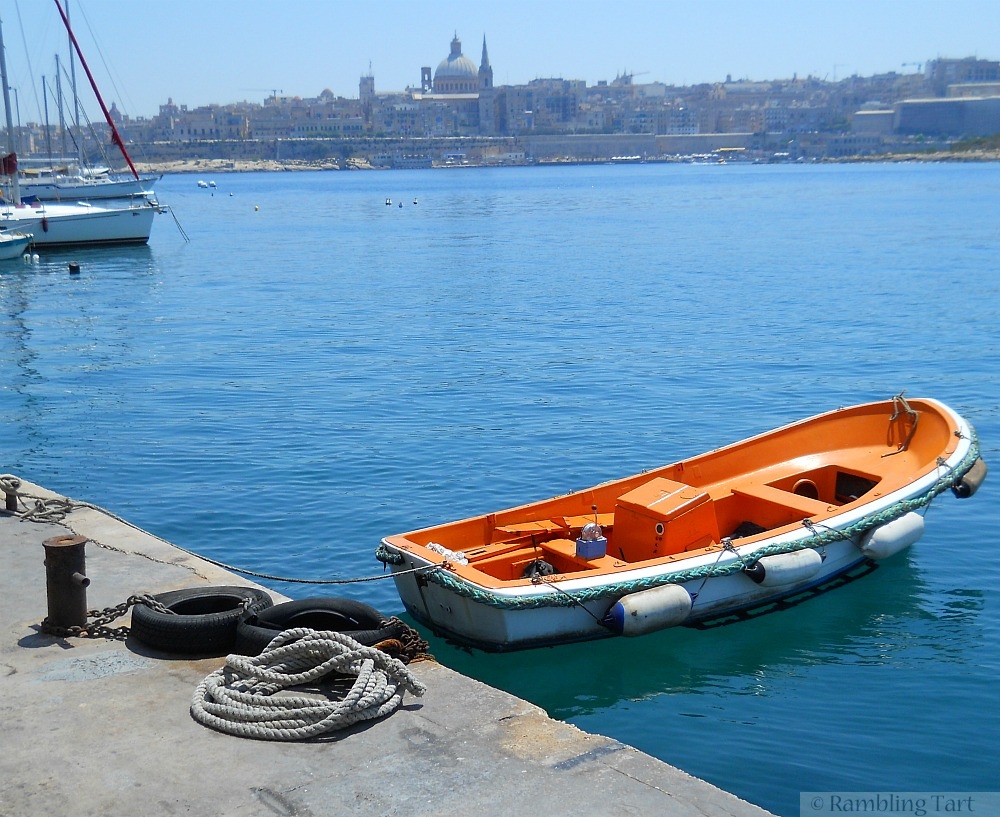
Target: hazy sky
x,y
203,51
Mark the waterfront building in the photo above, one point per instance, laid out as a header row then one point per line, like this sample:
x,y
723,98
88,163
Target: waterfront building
x,y
941,73
960,116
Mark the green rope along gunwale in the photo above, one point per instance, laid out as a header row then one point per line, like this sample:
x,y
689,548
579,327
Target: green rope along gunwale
x,y
617,589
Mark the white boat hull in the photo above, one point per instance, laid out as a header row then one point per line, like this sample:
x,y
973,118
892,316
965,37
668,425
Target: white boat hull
x,y
71,190
74,225
13,245
499,629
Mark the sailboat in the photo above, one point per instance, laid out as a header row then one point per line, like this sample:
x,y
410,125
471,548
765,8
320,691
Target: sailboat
x,y
70,182
82,223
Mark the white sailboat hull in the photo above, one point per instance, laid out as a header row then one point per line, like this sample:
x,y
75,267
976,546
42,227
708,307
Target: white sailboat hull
x,y
69,188
75,225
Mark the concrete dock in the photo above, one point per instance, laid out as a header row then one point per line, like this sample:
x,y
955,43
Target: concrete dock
x,y
102,727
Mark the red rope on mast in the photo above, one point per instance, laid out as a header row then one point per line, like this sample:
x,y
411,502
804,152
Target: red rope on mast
x,y
115,135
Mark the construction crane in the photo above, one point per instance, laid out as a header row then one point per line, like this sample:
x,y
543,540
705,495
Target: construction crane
x,y
274,91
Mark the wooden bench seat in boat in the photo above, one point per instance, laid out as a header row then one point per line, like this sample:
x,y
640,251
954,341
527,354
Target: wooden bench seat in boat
x,y
662,517
803,505
565,550
765,506
526,528
605,520
556,524
510,562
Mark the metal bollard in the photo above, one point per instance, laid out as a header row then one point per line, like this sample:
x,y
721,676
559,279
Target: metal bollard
x,y
66,581
9,486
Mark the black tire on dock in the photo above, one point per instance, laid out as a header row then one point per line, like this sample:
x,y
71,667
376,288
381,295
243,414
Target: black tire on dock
x,y
360,621
203,622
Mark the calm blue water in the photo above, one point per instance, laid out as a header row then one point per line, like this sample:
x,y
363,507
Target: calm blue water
x,y
308,376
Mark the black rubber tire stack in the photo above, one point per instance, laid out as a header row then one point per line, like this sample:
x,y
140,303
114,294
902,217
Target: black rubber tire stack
x,y
203,622
361,622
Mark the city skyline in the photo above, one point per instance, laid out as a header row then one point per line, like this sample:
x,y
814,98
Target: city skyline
x,y
228,51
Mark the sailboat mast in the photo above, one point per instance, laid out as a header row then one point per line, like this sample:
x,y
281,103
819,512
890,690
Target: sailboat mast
x,y
59,104
76,100
115,135
10,119
48,126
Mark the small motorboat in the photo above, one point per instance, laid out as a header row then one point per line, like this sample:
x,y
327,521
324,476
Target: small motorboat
x,y
13,244
733,529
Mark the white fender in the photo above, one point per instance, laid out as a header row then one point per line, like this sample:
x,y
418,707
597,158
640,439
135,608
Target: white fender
x,y
892,537
649,610
786,568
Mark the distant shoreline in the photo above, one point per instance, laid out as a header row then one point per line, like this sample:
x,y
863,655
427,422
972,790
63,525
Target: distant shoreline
x,y
195,166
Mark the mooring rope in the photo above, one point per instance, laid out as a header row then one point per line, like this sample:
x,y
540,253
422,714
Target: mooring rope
x,y
241,698
56,509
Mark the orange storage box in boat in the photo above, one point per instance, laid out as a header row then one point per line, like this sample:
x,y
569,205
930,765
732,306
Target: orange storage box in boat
x,y
661,517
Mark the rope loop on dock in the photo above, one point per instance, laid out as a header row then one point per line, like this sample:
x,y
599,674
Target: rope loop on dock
x,y
9,484
242,699
50,509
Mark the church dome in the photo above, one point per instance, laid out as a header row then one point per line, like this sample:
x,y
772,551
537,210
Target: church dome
x,y
459,66
457,73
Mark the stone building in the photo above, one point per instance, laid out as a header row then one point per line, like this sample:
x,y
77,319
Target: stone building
x,y
456,73
457,100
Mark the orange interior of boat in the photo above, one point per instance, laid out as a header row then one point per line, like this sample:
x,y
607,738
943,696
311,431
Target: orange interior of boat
x,y
749,490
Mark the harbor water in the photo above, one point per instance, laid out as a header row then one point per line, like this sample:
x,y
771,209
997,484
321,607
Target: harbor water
x,y
316,369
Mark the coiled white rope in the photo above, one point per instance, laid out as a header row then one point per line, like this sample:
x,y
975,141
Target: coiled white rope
x,y
241,698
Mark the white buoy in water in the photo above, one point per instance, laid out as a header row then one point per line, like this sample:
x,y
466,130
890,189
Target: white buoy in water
x,y
785,568
256,208
649,610
34,258
892,537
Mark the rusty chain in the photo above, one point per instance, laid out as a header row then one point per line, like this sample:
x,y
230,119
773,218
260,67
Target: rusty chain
x,y
101,618
408,646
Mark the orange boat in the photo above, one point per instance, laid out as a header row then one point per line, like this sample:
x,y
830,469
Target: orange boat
x,y
732,529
